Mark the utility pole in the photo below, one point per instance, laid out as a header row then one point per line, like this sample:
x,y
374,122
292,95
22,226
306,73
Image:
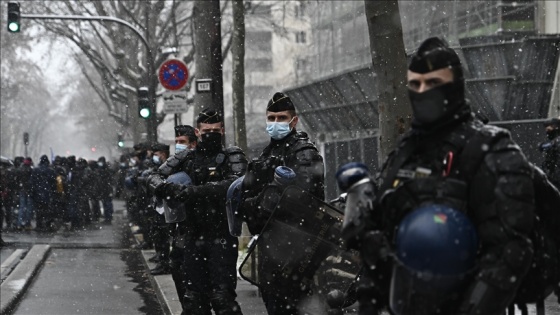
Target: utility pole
x,y
208,56
238,80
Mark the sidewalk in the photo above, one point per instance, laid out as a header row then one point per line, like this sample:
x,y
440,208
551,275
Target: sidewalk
x,y
247,294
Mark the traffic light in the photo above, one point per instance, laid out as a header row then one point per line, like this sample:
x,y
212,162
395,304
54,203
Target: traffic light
x,y
144,110
13,17
120,140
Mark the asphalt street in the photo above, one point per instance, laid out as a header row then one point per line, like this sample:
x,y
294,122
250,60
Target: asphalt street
x,y
90,271
98,270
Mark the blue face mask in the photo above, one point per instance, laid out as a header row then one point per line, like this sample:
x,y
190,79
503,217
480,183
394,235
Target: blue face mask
x,y
156,160
278,130
180,147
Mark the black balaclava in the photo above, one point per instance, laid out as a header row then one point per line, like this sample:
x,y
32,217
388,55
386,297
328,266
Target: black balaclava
x,y
435,106
211,141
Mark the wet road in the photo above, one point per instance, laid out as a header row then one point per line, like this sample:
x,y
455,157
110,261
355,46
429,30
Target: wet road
x,y
91,271
86,281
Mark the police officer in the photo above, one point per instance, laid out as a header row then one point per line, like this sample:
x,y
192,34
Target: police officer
x,y
160,232
210,255
292,149
448,160
185,141
551,150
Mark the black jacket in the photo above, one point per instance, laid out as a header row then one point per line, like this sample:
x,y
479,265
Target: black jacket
x,y
497,195
551,164
212,172
295,151
43,183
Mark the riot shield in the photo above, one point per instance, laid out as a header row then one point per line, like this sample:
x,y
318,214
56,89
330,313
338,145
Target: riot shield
x,y
300,247
174,210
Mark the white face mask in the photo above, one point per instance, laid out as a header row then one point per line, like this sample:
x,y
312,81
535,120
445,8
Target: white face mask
x,y
156,160
278,130
181,147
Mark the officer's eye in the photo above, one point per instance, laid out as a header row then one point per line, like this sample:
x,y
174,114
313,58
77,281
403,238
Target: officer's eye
x,y
413,85
434,82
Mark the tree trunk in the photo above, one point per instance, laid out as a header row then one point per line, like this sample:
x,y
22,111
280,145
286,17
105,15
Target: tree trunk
x,y
208,54
238,79
390,65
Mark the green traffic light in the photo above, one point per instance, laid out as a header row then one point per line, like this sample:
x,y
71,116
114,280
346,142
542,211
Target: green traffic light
x,y
13,27
145,112
121,144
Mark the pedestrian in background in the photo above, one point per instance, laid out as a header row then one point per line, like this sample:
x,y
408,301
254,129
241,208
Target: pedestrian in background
x,y
105,189
43,188
25,211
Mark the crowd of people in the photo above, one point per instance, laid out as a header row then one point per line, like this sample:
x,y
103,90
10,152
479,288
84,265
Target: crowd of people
x,y
456,222
65,192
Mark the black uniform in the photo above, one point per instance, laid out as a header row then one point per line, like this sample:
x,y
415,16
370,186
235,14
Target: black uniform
x,y
498,198
450,158
551,150
298,153
294,151
210,252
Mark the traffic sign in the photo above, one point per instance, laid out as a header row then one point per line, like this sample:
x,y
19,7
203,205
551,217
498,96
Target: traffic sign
x,y
175,102
173,74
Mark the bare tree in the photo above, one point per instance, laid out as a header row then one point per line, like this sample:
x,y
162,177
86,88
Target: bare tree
x,y
389,64
25,101
121,62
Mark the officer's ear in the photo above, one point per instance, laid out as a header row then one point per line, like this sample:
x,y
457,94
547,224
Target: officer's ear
x,y
294,122
197,132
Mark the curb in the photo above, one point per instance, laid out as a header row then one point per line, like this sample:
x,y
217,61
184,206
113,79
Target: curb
x,y
13,288
164,287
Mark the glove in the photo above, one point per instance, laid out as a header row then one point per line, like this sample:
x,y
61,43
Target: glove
x,y
155,183
184,194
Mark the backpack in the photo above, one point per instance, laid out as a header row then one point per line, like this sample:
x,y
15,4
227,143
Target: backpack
x,y
543,276
60,184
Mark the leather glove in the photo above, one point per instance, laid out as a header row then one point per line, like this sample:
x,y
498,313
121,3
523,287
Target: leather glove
x,y
184,193
155,184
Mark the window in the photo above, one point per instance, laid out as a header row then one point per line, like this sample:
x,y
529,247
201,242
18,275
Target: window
x,y
259,41
300,10
300,37
302,65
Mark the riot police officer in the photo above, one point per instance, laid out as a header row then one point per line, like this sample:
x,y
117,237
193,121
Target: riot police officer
x,y
160,232
449,164
551,150
210,255
287,148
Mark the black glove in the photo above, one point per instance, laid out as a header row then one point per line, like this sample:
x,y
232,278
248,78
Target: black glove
x,y
183,193
155,183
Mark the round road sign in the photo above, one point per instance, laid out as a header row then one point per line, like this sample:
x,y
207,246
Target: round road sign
x,y
173,74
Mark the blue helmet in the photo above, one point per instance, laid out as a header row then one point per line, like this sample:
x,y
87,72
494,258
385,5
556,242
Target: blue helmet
x,y
435,254
350,173
437,239
179,178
